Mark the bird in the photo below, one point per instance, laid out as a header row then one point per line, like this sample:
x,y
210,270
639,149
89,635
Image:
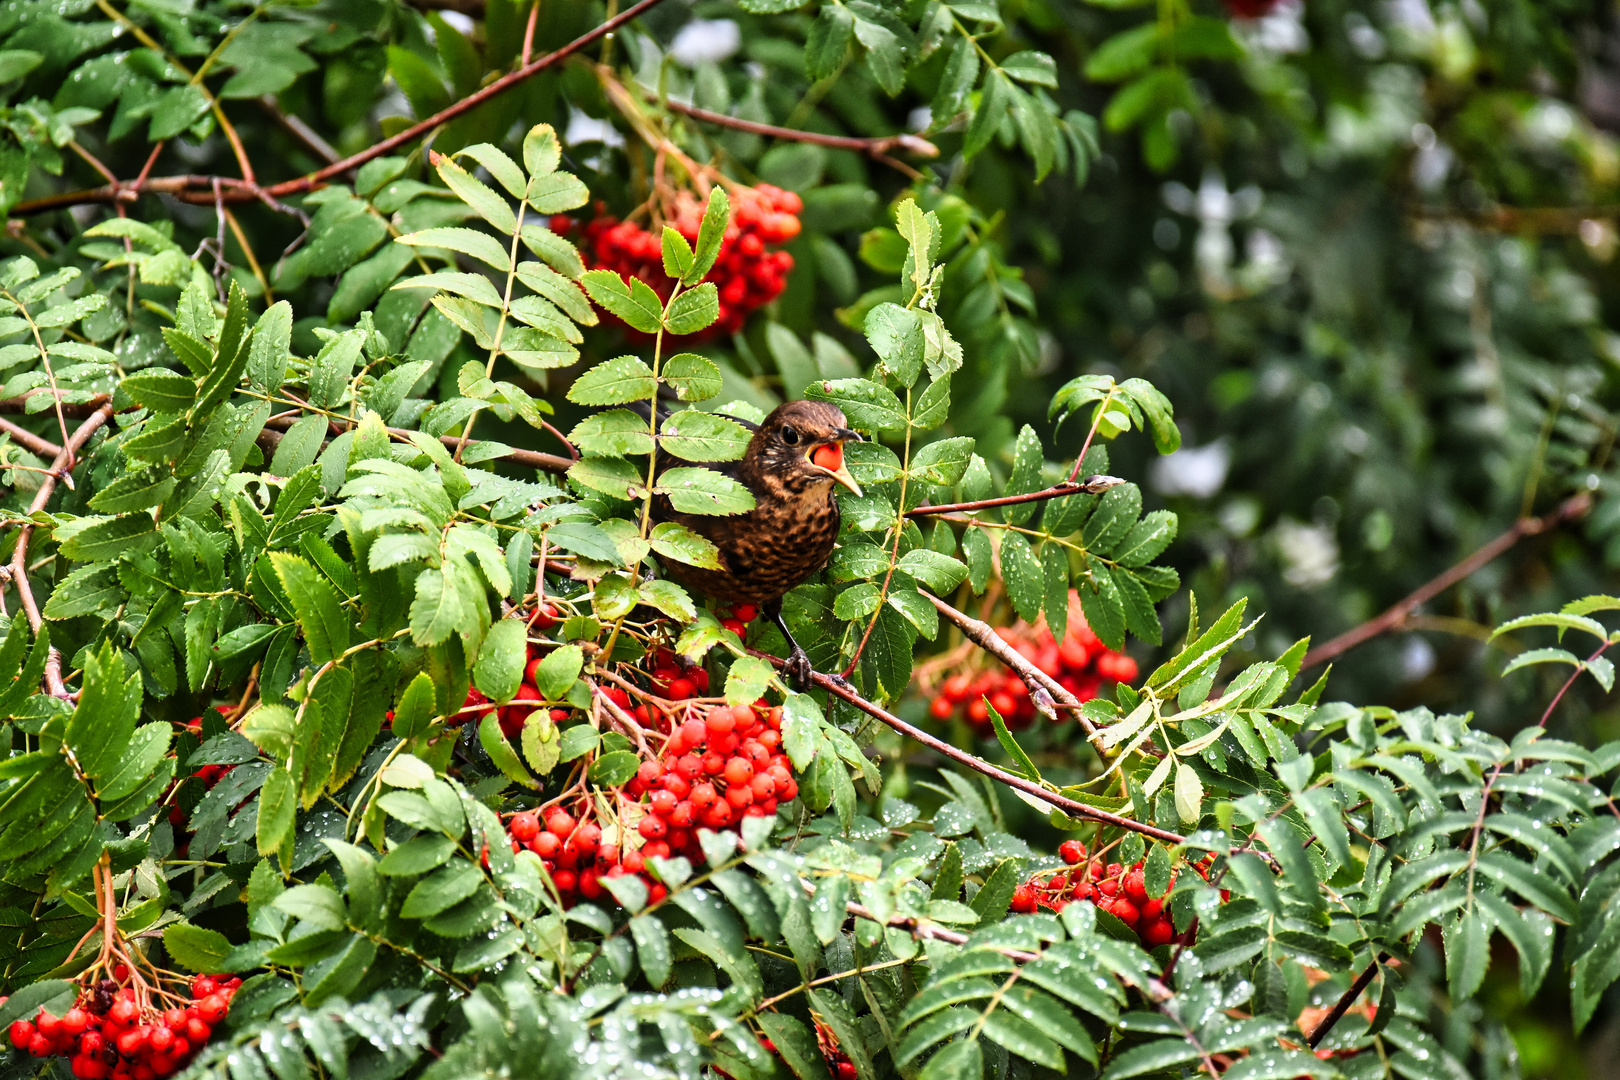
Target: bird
x,y
794,460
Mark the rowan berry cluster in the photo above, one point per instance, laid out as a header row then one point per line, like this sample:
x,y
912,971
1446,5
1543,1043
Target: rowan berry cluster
x,y
1080,663
718,766
746,274
107,1035
1121,891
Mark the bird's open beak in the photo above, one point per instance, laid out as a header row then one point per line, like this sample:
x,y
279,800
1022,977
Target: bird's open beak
x,y
829,458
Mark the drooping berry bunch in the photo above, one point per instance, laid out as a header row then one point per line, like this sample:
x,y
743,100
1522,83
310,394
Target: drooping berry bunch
x,y
108,1035
1080,663
746,274
1119,890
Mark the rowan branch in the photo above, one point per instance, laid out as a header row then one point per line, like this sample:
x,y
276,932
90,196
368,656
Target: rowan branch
x,y
840,689
1038,681
1571,509
19,559
34,444
199,189
1092,485
534,459
1347,999
877,146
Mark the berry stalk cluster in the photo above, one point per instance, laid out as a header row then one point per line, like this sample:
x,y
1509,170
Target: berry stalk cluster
x,y
108,1035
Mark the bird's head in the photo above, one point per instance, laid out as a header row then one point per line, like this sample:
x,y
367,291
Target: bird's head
x,y
801,445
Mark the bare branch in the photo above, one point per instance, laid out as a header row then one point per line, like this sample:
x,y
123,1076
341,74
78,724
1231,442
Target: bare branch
x,y
1346,1000
1571,509
1093,485
984,636
26,439
840,689
878,146
19,560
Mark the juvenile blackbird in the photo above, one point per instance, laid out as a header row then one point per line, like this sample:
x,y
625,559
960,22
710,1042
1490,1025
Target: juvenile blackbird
x,y
793,460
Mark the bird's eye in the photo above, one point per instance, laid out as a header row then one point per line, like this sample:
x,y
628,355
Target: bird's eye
x,y
790,435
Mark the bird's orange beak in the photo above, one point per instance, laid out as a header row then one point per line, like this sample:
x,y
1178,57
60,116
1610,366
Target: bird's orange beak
x,y
829,458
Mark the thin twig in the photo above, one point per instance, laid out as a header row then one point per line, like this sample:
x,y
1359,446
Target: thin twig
x,y
1571,509
1347,999
19,559
841,690
878,146
984,636
1093,485
198,189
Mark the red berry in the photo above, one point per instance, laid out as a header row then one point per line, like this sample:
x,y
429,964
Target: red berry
x,y
21,1032
1072,852
1023,900
1158,932
525,826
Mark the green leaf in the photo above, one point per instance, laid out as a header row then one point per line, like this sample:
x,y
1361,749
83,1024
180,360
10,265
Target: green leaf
x,y
614,382
196,948
995,894
796,1045
711,233
479,245
558,671
474,192
959,1060
677,542
703,491
278,805
500,751
160,389
1032,67
677,253
439,891
693,377
614,769
943,462
318,606
867,405
1023,576
634,302
501,657
693,310
702,436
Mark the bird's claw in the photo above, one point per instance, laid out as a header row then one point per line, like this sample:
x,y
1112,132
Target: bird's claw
x,y
798,668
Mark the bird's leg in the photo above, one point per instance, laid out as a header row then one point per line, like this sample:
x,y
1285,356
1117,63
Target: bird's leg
x,y
798,661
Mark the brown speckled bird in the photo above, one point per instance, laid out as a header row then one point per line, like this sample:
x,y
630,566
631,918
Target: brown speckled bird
x,y
793,460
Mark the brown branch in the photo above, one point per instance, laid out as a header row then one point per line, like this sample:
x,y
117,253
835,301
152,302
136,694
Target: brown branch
x,y
69,408
878,146
1347,999
19,560
299,130
34,444
841,690
982,635
1093,485
199,189
534,459
1571,509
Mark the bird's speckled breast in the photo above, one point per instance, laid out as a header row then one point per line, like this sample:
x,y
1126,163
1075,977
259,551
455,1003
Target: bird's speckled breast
x,y
768,551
